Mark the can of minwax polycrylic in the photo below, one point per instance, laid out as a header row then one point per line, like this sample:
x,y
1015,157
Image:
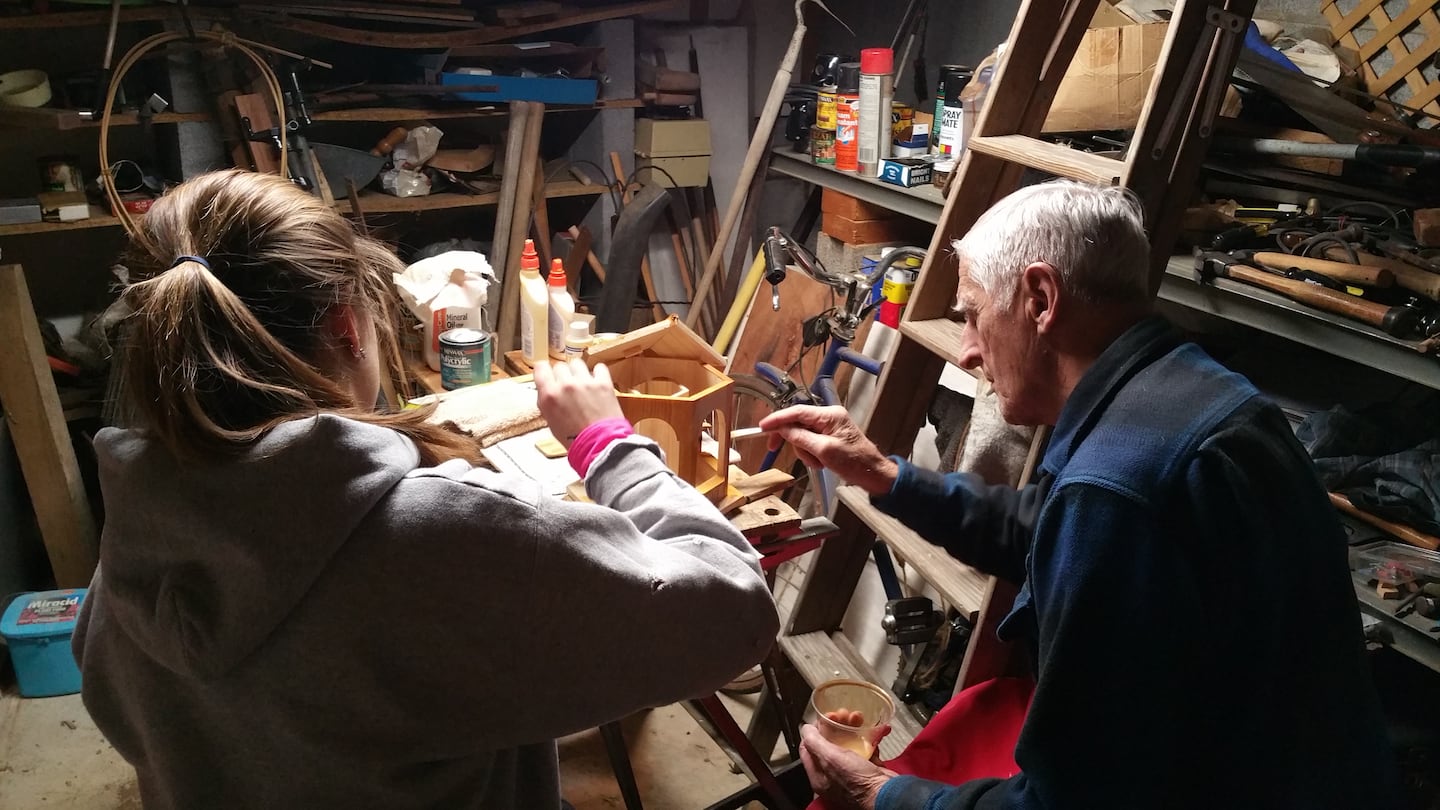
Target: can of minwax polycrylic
x,y
465,357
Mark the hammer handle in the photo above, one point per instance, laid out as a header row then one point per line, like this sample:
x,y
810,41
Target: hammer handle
x,y
1388,319
1340,271
1408,276
1414,537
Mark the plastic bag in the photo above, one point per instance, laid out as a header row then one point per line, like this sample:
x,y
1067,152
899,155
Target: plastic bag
x,y
446,292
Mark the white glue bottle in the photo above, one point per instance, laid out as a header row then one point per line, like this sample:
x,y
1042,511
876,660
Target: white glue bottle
x,y
577,340
562,309
534,308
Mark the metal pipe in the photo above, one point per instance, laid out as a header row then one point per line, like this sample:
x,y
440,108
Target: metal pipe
x,y
1382,154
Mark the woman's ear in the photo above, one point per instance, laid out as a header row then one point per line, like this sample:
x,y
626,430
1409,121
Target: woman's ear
x,y
343,330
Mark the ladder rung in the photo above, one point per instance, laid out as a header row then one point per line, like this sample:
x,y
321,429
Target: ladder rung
x,y
1053,158
818,658
941,336
961,586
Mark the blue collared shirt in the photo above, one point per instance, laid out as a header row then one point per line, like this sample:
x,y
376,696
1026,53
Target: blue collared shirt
x,y
1185,596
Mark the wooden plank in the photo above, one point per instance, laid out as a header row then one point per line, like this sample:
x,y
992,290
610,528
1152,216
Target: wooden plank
x,y
766,517
825,593
81,19
474,36
259,112
961,586
1053,158
99,218
819,657
42,441
987,656
753,487
515,142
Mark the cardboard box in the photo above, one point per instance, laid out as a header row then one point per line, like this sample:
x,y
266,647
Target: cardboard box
x,y
654,138
64,206
680,148
868,231
1106,85
907,172
19,211
843,205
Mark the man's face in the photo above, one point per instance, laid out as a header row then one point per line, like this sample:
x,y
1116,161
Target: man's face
x,y
1002,344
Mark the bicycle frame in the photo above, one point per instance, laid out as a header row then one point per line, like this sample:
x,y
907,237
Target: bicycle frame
x,y
822,388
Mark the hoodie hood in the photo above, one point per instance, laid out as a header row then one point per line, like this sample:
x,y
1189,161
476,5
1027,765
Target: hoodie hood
x,y
202,561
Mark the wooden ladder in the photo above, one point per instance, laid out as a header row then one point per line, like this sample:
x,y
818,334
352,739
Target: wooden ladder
x,y
1161,167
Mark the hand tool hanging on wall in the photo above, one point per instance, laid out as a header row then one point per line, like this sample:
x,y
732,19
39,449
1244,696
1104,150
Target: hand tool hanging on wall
x,y
1398,321
759,143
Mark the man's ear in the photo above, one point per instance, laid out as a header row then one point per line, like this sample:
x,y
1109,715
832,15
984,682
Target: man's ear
x,y
342,329
1040,294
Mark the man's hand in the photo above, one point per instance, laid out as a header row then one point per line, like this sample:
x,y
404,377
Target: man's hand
x,y
826,437
572,397
838,775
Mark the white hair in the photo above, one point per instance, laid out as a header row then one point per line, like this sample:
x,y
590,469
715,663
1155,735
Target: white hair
x,y
1093,235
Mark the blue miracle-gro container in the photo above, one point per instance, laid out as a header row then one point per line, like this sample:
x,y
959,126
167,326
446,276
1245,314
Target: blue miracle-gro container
x,y
37,628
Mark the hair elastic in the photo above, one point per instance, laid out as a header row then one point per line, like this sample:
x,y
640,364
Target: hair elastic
x,y
200,260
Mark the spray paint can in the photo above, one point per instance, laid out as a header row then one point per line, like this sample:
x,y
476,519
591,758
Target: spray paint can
x,y
465,358
952,117
949,74
877,93
847,118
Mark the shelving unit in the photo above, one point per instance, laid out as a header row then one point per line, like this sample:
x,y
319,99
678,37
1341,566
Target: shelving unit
x,y
54,118
1225,299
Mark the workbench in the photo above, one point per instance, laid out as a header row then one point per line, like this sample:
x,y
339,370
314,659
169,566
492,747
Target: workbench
x,y
507,408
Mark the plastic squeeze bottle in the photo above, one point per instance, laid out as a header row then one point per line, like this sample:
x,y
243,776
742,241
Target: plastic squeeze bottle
x,y
534,308
562,309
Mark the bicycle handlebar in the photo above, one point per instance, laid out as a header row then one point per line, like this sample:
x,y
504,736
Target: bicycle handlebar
x,y
780,248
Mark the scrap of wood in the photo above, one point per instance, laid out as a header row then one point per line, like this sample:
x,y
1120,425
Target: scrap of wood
x,y
550,447
42,440
575,260
590,256
766,517
516,13
540,216
520,165
760,485
259,112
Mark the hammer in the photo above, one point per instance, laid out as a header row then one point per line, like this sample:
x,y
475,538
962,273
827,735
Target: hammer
x,y
1396,321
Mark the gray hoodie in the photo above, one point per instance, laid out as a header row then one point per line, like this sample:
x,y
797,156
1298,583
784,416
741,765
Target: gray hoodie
x,y
324,623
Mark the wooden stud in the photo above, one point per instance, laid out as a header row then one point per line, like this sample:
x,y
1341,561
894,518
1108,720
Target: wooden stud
x,y
42,440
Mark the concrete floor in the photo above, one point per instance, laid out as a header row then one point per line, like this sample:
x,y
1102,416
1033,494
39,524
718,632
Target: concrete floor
x,y
51,755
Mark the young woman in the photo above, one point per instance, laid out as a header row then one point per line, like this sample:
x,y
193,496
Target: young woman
x,y
304,602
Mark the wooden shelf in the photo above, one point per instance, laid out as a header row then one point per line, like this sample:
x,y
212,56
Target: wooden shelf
x,y
74,19
376,203
99,218
55,118
372,203
958,584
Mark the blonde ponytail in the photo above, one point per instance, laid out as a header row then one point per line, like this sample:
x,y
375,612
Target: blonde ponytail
x,y
238,271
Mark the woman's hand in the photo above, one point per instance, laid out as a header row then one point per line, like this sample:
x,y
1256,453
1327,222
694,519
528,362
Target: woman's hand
x,y
572,397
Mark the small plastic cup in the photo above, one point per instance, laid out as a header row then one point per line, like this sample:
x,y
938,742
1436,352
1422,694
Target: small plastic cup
x,y
874,704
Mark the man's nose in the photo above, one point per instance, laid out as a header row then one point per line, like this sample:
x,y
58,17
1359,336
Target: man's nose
x,y
969,349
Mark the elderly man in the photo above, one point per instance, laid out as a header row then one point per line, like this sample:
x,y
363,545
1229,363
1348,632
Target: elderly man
x,y
1185,591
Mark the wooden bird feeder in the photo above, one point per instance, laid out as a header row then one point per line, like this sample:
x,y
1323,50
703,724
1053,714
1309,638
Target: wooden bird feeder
x,y
671,387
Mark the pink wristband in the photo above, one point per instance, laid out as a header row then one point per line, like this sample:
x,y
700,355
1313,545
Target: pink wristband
x,y
595,438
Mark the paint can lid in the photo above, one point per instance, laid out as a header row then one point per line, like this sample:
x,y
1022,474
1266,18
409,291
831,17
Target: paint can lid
x,y
849,81
877,60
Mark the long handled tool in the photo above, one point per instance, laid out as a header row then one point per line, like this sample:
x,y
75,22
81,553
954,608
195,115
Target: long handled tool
x,y
1396,321
1370,276
759,142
